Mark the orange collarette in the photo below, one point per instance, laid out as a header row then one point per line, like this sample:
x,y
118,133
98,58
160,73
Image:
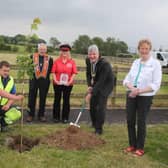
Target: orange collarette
x,y
39,73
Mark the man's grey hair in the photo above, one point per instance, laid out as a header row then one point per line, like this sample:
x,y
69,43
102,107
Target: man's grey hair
x,y
93,48
41,45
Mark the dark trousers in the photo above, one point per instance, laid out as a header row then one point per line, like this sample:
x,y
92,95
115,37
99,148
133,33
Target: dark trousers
x,y
58,91
137,109
97,110
2,115
34,85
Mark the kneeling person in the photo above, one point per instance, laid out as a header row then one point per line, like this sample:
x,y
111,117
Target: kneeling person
x,y
8,114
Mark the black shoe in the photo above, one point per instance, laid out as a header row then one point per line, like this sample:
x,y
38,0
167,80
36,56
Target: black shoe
x,y
65,121
29,119
98,131
56,120
42,119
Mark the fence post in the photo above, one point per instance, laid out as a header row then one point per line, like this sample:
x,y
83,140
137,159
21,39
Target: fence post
x,y
113,99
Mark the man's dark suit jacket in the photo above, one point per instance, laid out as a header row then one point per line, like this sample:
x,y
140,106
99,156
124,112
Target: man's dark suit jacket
x,y
103,80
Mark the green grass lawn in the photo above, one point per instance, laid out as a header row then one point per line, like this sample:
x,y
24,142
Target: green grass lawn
x,y
108,156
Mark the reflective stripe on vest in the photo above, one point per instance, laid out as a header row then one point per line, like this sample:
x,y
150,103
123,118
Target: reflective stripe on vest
x,y
8,89
39,73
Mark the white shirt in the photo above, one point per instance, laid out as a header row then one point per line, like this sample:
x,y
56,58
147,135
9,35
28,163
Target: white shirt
x,y
149,76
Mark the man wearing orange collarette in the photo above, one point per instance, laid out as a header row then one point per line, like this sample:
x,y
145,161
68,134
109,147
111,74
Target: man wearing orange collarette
x,y
41,81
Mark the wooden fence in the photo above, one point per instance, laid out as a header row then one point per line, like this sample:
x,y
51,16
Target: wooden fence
x,y
116,99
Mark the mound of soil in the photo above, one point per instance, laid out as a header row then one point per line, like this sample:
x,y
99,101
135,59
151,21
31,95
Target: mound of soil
x,y
13,142
72,138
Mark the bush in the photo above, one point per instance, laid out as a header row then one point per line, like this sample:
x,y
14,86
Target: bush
x,y
5,47
125,55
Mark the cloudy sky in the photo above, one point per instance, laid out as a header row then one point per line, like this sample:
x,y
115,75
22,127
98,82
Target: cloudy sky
x,y
128,20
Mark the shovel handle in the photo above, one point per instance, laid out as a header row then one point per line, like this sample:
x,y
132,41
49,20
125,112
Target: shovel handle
x,y
78,117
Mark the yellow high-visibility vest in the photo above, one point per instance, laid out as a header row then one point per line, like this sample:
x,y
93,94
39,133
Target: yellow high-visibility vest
x,y
8,89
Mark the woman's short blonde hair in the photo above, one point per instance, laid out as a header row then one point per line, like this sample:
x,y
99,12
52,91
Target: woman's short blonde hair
x,y
146,41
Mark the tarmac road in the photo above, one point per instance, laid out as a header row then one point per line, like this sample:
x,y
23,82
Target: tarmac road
x,y
114,116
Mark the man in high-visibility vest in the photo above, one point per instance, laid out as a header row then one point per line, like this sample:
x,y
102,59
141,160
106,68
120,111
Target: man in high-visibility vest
x,y
8,114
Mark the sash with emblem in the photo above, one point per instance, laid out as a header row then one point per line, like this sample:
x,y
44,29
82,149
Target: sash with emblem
x,y
40,73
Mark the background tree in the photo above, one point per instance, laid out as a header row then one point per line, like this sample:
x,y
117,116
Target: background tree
x,y
2,40
81,44
110,46
54,42
122,47
19,39
7,39
100,43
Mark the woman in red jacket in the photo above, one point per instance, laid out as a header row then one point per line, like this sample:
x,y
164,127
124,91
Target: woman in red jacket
x,y
64,70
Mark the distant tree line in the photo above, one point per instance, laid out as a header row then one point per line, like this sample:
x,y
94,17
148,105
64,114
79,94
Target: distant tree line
x,y
10,43
20,39
108,47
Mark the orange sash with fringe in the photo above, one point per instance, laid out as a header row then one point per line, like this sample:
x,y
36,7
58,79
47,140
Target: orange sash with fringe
x,y
39,73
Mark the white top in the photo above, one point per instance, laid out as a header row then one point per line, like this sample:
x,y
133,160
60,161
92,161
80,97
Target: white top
x,y
150,75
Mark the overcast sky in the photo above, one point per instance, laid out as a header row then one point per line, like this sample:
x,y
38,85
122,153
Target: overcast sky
x,y
128,20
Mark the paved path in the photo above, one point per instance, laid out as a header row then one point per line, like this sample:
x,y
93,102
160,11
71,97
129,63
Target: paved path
x,y
115,116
